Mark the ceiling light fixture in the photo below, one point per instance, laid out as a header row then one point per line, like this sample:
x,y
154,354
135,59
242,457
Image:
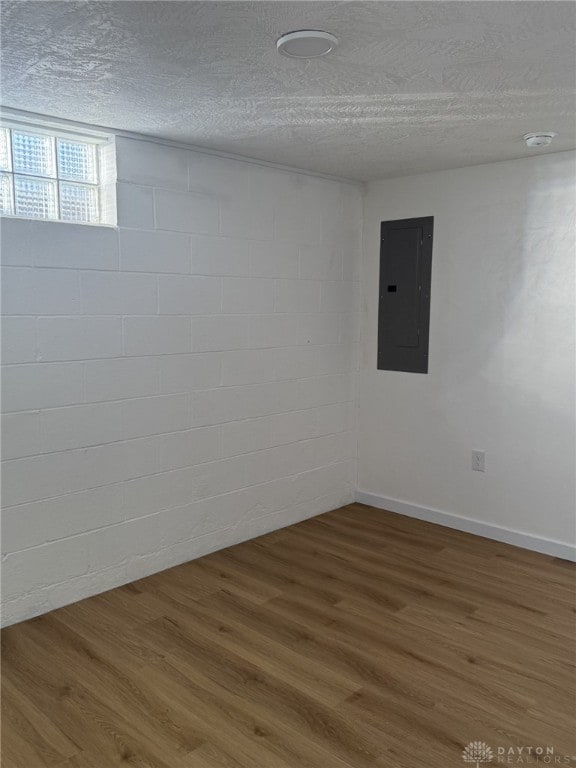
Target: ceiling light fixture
x,y
542,139
306,44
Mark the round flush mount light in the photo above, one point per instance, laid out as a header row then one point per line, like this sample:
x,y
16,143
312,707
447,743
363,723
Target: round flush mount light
x,y
306,44
542,139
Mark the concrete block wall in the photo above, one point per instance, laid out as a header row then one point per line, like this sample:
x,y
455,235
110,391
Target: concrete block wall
x,y
177,384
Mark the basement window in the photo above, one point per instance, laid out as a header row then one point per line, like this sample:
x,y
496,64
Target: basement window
x,y
54,175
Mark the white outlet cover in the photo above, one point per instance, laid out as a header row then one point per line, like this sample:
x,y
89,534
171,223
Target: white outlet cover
x,y
479,461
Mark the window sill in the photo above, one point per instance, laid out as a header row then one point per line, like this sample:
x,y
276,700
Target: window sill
x,y
101,224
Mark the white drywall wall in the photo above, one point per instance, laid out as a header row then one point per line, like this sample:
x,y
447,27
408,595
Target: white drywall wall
x,y
178,384
502,360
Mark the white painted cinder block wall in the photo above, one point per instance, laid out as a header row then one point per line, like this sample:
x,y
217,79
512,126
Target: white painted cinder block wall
x,y
189,380
178,384
502,356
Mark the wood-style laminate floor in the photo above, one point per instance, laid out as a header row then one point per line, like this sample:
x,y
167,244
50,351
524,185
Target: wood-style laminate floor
x,y
356,639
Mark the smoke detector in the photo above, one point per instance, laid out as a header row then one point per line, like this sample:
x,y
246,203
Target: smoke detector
x,y
306,44
542,139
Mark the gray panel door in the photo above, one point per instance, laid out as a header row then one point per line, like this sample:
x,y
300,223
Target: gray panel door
x,y
404,308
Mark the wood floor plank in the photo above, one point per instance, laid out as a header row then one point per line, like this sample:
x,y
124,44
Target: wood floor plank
x,y
397,657
317,680
111,683
342,568
443,570
30,737
253,735
75,710
265,692
357,639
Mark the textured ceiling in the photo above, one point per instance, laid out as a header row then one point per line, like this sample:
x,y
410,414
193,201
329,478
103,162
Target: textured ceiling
x,y
414,86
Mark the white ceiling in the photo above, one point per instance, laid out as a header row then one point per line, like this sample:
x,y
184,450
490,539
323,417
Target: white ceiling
x,y
414,86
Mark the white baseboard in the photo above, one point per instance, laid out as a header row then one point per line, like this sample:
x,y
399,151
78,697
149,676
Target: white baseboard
x,y
477,527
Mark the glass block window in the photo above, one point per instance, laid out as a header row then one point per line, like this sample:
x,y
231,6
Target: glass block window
x,y
46,176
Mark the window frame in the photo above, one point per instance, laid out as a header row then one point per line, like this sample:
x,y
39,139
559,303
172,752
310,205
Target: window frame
x,y
97,141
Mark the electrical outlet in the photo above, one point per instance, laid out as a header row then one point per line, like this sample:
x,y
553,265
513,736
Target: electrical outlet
x,y
478,461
